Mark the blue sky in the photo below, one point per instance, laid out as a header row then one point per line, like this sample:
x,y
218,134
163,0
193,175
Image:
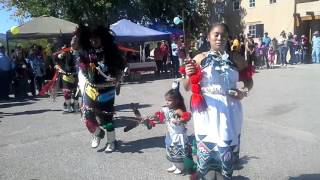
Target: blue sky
x,y
6,21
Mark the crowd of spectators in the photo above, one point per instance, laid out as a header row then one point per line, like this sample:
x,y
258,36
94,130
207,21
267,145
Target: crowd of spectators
x,y
25,70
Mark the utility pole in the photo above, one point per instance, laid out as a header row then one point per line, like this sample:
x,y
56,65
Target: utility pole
x,y
183,25
184,32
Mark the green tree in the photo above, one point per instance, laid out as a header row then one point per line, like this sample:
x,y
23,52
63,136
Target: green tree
x,y
98,10
87,11
196,12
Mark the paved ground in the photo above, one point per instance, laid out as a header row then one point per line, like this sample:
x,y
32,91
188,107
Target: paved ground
x,y
280,139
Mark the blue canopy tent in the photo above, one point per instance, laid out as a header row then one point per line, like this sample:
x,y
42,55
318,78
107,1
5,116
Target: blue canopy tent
x,y
175,32
127,31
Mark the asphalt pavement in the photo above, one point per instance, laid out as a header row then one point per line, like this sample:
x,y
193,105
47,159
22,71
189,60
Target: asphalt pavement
x,y
280,135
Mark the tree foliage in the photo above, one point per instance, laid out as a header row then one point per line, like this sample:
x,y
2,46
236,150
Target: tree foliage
x,y
77,11
198,13
96,10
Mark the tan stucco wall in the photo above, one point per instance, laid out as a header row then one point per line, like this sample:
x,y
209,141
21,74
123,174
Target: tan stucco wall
x,y
303,1
302,8
275,17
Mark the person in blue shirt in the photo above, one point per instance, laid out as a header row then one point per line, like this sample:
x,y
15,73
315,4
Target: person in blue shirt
x,y
266,40
316,47
5,74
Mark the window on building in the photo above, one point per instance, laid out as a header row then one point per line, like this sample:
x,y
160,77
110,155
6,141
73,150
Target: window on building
x,y
256,30
236,5
253,30
273,1
252,3
259,30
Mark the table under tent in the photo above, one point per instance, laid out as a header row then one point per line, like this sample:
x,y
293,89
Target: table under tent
x,y
128,32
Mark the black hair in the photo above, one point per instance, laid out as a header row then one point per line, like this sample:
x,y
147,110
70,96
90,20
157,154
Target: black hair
x,y
84,37
113,58
39,48
225,27
176,96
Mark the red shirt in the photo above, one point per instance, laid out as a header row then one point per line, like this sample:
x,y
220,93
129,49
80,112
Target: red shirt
x,y
304,41
164,49
157,54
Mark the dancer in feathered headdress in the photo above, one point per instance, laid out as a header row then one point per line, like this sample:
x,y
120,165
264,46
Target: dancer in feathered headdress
x,y
100,69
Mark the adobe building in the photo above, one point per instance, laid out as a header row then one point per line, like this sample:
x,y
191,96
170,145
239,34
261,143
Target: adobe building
x,y
307,17
272,16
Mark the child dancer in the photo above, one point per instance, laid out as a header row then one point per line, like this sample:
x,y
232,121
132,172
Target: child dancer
x,y
175,116
271,57
261,50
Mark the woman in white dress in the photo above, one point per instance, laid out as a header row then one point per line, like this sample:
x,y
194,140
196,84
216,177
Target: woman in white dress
x,y
218,126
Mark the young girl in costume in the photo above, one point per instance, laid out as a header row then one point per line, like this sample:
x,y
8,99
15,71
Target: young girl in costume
x,y
271,56
175,116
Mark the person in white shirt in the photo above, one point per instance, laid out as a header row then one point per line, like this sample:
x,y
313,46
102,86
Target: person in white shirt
x,y
283,48
175,58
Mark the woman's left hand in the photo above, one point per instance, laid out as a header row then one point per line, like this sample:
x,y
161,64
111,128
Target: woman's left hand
x,y
238,93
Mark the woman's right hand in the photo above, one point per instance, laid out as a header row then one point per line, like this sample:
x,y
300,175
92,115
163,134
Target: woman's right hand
x,y
190,69
174,121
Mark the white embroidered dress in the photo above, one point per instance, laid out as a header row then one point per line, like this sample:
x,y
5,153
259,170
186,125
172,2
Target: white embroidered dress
x,y
176,137
221,122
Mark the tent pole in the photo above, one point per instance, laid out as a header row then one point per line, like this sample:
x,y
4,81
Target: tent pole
x,y
140,53
144,52
170,50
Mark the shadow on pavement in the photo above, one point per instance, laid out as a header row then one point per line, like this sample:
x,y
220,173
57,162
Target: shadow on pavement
x,y
27,98
122,107
125,121
12,104
306,177
242,161
276,67
240,178
20,101
30,112
139,145
147,78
